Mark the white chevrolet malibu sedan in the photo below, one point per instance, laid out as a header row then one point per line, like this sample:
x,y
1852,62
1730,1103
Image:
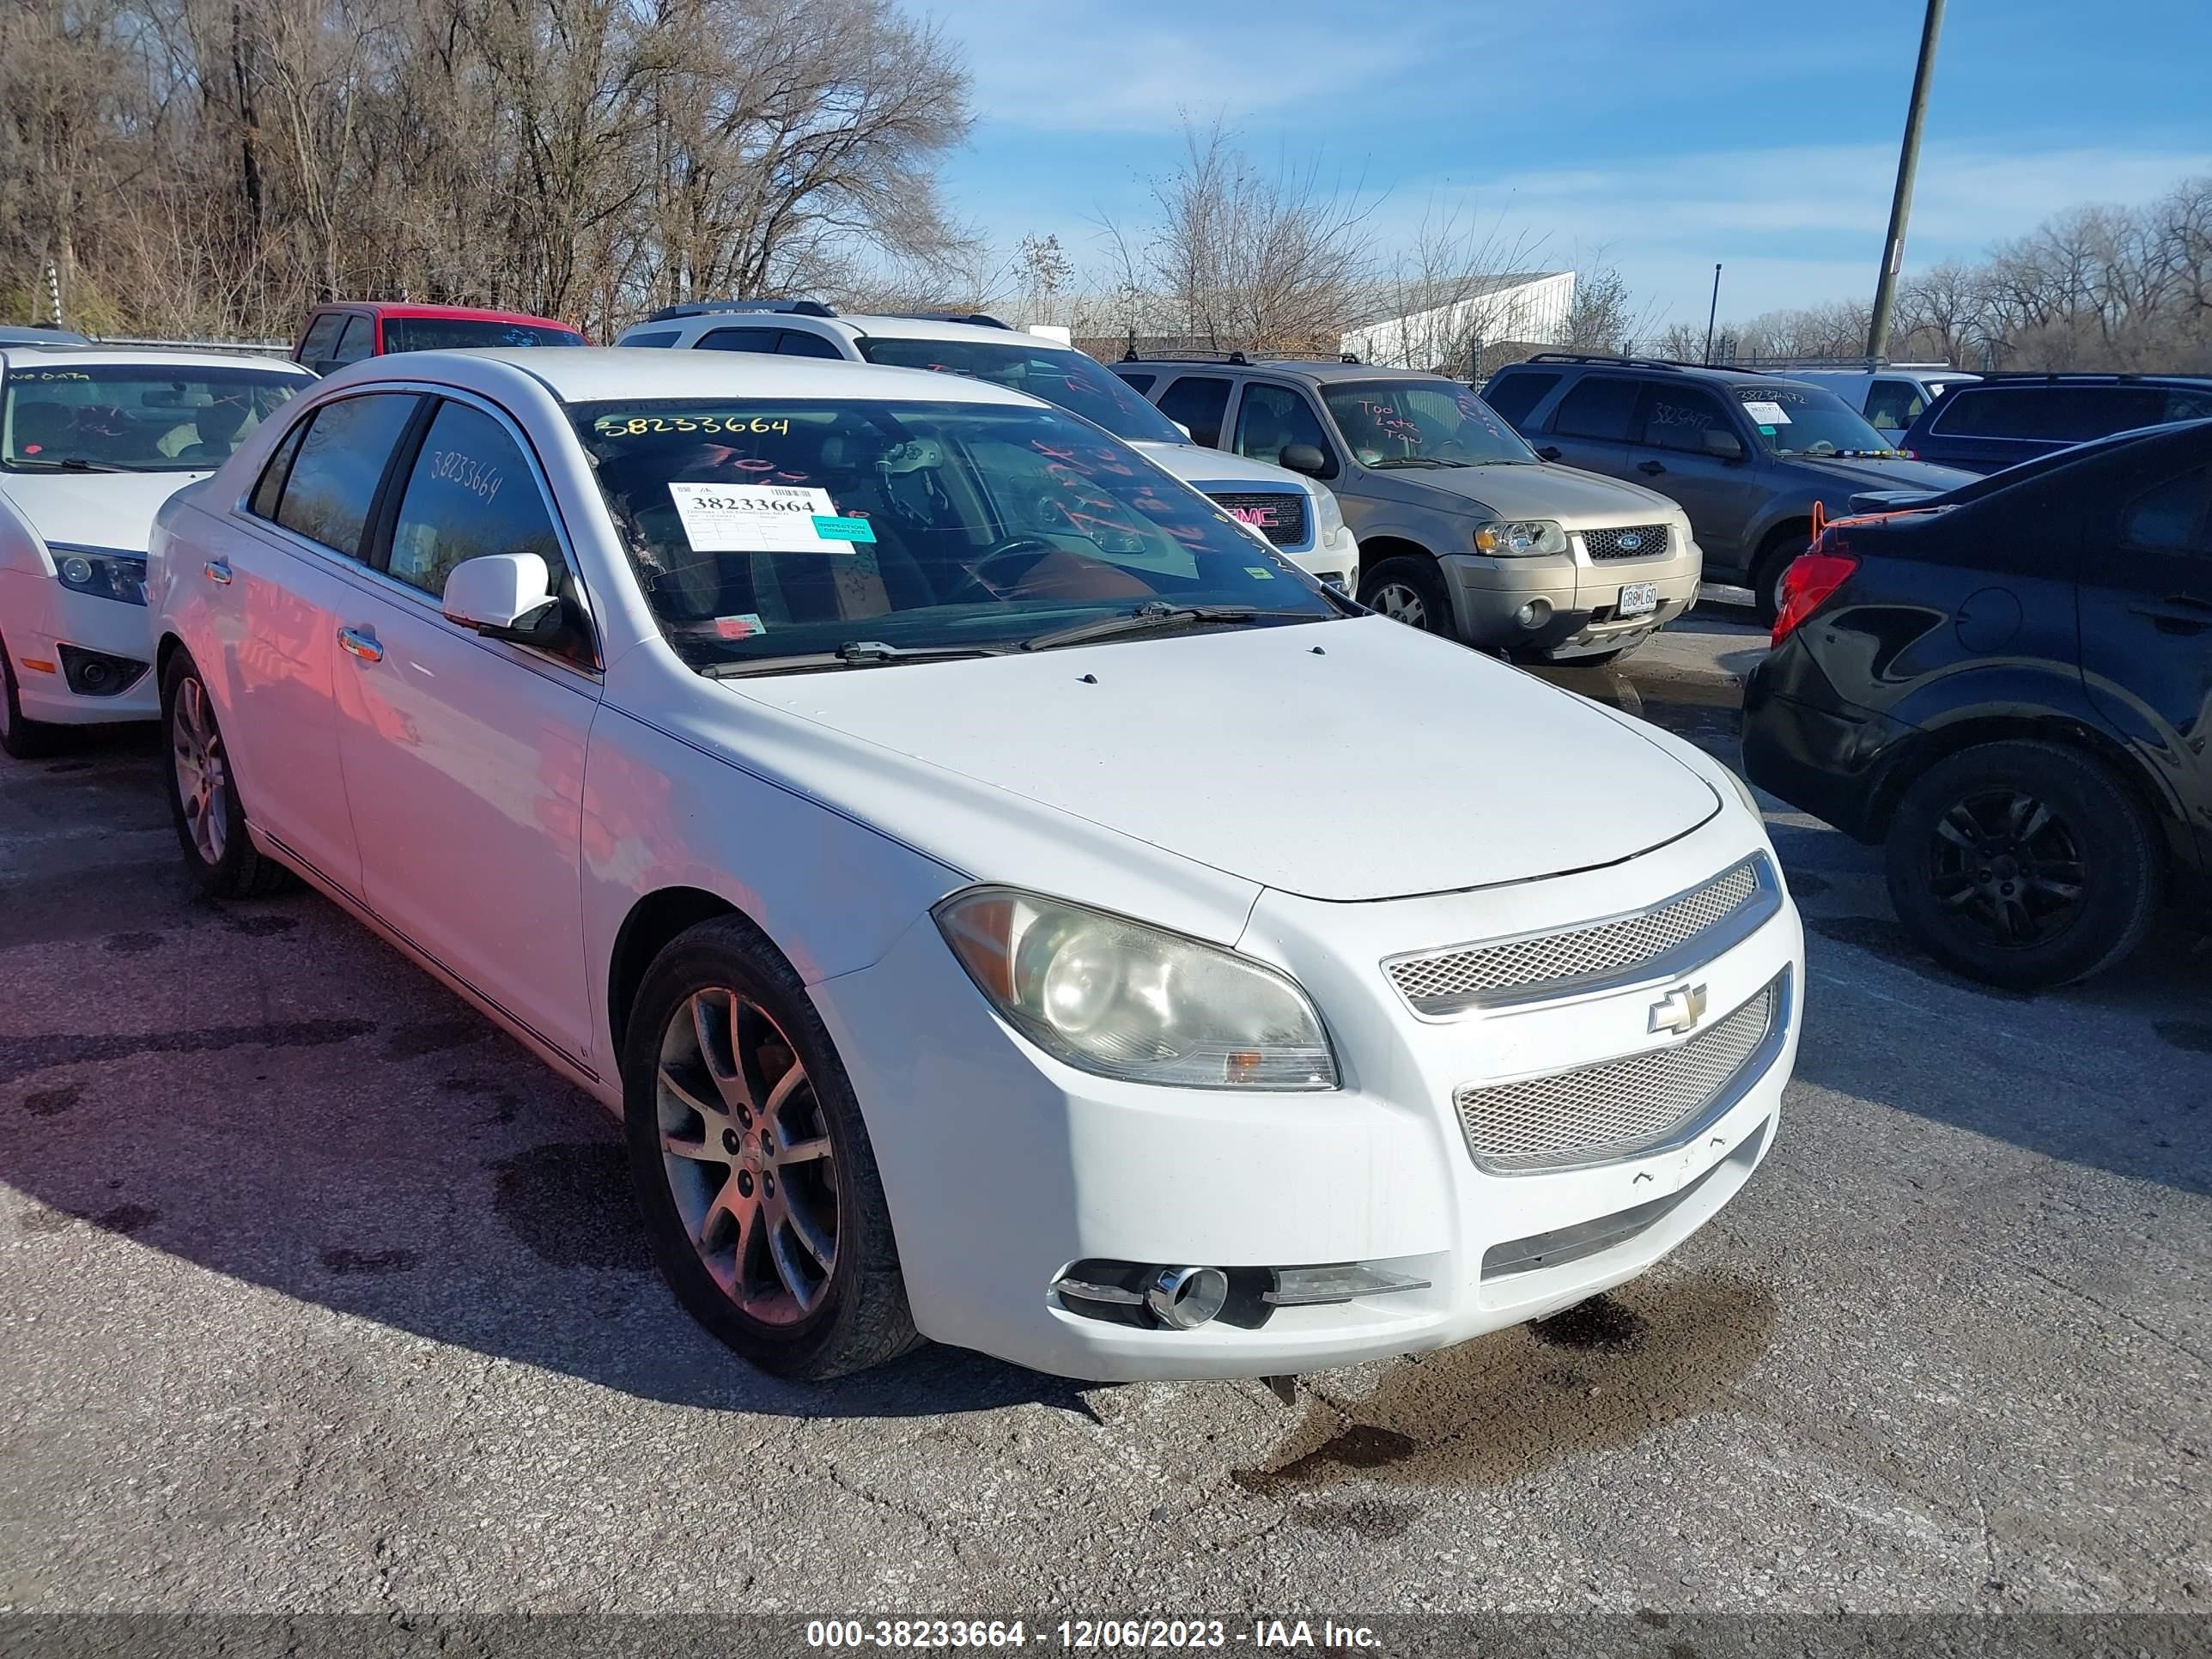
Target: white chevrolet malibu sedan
x,y
1004,901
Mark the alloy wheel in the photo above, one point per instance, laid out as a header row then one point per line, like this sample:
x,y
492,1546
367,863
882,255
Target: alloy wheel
x,y
1400,604
203,777
747,1155
2006,862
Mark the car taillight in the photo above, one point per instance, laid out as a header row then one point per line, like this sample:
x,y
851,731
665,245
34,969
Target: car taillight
x,y
1807,585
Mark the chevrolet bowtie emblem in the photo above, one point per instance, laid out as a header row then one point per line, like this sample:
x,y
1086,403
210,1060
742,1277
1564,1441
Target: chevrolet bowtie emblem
x,y
1679,1010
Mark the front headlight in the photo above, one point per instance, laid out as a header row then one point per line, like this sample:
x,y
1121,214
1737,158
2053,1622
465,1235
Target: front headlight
x,y
1520,538
1116,997
1743,792
1328,517
104,573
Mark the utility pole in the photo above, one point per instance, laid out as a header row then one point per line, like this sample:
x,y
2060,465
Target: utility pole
x,y
1711,314
1900,205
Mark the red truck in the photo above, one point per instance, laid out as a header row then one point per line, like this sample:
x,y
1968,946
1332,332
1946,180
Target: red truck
x,y
346,331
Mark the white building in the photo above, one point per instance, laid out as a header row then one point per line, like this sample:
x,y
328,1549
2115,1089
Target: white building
x,y
1432,326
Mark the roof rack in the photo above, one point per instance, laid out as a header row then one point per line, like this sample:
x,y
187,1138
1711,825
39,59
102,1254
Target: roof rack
x,y
980,318
1307,357
1235,359
716,307
1620,362
2070,377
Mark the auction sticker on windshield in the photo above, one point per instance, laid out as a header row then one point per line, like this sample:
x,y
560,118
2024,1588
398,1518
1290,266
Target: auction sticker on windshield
x,y
1765,412
765,518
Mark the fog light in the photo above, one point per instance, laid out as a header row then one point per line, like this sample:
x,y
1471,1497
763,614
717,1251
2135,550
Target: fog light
x,y
1183,1298
1534,614
96,674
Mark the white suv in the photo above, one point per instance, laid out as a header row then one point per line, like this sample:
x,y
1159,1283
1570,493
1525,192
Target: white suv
x,y
965,863
1298,516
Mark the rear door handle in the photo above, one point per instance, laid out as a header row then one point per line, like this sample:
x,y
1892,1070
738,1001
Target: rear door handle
x,y
217,570
1652,467
2178,609
360,643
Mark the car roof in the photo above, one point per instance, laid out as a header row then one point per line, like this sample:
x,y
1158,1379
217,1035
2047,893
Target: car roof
x,y
2066,381
31,334
406,308
1320,369
881,325
608,374
24,357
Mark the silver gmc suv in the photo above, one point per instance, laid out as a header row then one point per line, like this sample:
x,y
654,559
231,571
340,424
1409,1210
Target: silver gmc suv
x,y
1463,529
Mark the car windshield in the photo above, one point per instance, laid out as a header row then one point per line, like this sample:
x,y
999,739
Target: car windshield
x,y
134,417
1076,383
781,530
1422,424
460,333
1807,420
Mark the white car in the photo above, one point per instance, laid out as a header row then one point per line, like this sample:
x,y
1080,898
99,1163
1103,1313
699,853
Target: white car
x,y
92,441
1890,397
1299,517
964,862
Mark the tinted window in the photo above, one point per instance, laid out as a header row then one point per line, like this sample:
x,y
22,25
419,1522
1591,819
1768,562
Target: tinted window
x,y
322,335
1075,382
1198,401
1142,382
465,333
657,336
1273,417
2187,406
472,492
2170,518
358,341
334,479
795,343
1893,404
1514,394
1600,407
739,340
1672,416
2052,414
270,488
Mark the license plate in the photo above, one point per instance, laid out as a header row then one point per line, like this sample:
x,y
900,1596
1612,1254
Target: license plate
x,y
1639,598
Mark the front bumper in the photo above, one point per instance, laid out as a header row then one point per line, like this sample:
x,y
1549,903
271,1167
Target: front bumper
x,y
1334,559
1580,600
1004,1168
39,617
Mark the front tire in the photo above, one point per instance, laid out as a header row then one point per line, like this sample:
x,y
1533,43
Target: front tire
x,y
2023,864
202,792
752,1166
24,739
1410,590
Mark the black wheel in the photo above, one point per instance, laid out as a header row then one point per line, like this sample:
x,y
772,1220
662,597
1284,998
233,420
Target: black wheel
x,y
1766,577
752,1166
2025,865
203,799
1410,590
24,739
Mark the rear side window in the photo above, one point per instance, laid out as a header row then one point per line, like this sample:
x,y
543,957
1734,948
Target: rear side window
x,y
359,340
332,483
795,343
2170,518
1142,382
1600,407
1198,401
1678,416
657,336
1513,394
1893,404
472,492
738,339
271,489
322,335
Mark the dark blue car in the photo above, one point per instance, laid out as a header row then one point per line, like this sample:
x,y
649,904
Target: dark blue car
x,y
2006,419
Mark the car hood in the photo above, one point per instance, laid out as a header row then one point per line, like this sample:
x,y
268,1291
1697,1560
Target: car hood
x,y
1349,760
1924,475
1541,489
1196,464
96,509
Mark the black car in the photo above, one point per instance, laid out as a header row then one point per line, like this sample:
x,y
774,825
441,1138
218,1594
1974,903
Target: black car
x,y
2009,688
2003,420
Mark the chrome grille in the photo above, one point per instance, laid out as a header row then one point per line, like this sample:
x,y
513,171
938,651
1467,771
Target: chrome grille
x,y
1650,542
1546,964
1620,1108
1278,514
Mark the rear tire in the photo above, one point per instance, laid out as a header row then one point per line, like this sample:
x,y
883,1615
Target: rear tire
x,y
2024,865
753,1164
204,801
24,739
1412,591
1766,576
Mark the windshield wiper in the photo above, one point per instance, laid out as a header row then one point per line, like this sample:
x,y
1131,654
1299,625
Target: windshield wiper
x,y
68,463
1157,613
853,653
1413,461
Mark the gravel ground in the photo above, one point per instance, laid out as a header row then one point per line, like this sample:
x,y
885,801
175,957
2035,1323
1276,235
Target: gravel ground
x,y
316,1296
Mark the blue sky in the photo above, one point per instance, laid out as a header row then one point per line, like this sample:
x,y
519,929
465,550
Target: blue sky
x,y
1667,133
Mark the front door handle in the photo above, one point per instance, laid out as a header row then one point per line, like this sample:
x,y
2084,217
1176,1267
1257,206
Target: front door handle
x,y
359,642
1653,468
217,570
2182,611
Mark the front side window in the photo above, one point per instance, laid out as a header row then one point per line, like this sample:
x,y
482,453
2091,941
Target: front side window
x,y
334,476
467,333
322,334
472,492
1893,405
1273,417
134,418
1081,384
765,530
1804,420
796,343
1421,423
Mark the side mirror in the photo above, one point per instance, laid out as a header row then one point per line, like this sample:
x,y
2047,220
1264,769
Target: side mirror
x,y
1306,459
502,595
1548,452
1185,430
1723,445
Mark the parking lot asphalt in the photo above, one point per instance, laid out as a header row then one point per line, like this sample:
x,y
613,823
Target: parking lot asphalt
x,y
317,1295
